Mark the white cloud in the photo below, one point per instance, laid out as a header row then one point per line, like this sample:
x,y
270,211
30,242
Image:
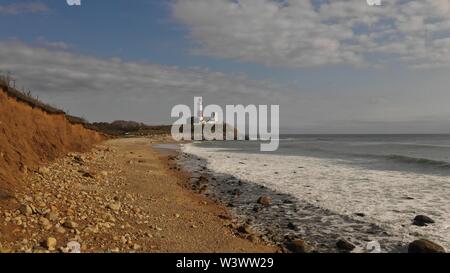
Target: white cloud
x,y
110,89
42,42
302,33
66,78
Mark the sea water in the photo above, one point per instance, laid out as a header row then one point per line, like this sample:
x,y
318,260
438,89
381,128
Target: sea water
x,y
361,188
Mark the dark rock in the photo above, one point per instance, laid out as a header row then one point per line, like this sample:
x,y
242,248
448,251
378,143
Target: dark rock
x,y
292,226
422,221
298,246
265,200
78,159
203,179
88,175
344,245
70,225
235,192
225,217
246,229
203,189
25,210
425,246
360,214
257,208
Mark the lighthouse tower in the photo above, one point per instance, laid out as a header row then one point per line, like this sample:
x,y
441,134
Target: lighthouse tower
x,y
199,109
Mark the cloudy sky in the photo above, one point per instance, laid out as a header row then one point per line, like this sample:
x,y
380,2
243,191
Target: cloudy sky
x,y
337,66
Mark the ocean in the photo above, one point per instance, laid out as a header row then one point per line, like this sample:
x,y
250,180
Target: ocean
x,y
362,188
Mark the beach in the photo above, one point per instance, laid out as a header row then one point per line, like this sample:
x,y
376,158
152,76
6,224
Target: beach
x,y
122,196
153,195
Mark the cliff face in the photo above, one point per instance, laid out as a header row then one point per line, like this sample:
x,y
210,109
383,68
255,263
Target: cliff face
x,y
30,136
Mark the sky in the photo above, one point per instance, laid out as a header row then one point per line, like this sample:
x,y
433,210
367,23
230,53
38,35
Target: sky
x,y
338,66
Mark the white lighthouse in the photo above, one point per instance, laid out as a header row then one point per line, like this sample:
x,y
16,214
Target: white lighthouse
x,y
199,109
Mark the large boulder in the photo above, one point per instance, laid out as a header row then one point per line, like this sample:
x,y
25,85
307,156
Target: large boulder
x,y
425,246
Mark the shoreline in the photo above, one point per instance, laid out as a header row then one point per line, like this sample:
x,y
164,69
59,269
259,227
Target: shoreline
x,y
206,182
196,183
288,217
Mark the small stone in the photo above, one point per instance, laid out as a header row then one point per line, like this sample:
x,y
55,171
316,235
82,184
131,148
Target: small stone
x,y
298,246
225,217
344,245
88,175
44,222
26,210
292,226
50,244
60,230
78,159
422,220
52,216
110,218
114,206
136,247
247,229
70,225
425,246
43,170
91,229
265,200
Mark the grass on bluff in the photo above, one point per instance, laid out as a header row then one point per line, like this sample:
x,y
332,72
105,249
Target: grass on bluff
x,y
26,97
116,128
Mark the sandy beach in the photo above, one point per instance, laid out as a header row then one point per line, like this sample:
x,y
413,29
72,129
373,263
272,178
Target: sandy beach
x,y
123,196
